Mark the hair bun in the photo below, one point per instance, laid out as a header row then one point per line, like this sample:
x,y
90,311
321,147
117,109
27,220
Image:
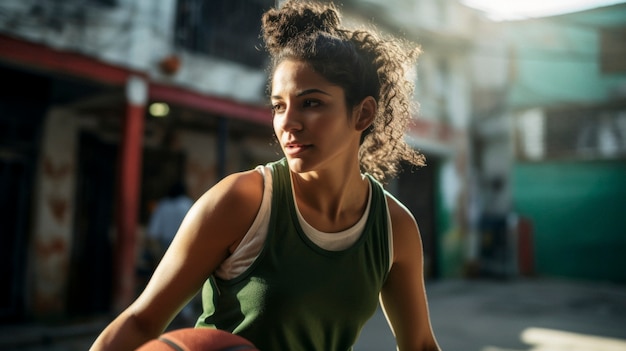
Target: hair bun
x,y
296,19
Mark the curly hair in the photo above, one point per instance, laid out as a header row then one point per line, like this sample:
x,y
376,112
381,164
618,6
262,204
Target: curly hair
x,y
360,61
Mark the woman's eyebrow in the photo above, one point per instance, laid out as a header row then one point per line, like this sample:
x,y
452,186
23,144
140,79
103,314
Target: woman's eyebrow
x,y
303,93
311,91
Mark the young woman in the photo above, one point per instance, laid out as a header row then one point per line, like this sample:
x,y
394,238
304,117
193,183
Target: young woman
x,y
294,255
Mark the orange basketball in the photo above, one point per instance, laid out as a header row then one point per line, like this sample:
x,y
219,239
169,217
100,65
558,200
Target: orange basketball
x,y
198,339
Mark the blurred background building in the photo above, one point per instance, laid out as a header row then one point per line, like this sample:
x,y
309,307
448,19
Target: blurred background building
x,y
105,103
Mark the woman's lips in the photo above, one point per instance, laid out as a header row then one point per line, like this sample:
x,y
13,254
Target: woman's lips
x,y
295,148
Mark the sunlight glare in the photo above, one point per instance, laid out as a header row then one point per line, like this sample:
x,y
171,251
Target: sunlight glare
x,y
549,339
542,339
508,10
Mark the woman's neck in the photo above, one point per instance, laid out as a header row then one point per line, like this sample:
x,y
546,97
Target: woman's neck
x,y
331,201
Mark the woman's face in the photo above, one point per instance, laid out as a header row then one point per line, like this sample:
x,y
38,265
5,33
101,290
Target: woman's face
x,y
311,120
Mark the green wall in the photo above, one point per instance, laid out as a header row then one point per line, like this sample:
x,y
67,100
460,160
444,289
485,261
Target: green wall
x,y
578,211
556,59
451,239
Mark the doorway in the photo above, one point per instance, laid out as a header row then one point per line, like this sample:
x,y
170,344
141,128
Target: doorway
x,y
90,282
416,189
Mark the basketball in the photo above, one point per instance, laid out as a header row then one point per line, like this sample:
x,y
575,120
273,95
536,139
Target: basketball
x,y
198,339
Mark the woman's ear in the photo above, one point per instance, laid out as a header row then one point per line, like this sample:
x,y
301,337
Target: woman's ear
x,y
364,113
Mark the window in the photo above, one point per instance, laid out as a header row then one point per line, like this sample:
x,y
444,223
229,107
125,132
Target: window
x,y
227,29
584,134
613,50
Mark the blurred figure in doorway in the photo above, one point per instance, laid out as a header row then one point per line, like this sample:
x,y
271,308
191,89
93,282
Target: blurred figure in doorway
x,y
165,220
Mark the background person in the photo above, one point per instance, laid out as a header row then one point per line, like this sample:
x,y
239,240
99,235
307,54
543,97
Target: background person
x,y
166,218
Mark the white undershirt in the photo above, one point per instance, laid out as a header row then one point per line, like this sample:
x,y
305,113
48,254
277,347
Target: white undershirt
x,y
252,243
336,241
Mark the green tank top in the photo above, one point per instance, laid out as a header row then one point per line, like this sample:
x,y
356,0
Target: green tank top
x,y
296,295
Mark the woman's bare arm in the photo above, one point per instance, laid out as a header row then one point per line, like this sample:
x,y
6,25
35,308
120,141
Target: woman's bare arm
x,y
211,230
403,296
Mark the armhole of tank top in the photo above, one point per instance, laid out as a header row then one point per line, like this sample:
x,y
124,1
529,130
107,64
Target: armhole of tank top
x,y
232,267
263,208
389,233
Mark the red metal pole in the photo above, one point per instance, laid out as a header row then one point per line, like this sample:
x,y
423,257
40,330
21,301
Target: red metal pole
x,y
526,255
128,194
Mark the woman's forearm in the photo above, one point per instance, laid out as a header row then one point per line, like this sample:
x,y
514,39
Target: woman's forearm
x,y
126,332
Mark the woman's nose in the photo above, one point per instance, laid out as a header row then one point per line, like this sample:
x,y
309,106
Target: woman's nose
x,y
289,119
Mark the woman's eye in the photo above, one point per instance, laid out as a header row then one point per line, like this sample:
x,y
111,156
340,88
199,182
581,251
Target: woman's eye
x,y
311,103
277,107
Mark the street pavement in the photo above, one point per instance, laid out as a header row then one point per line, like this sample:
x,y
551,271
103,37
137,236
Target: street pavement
x,y
517,315
467,315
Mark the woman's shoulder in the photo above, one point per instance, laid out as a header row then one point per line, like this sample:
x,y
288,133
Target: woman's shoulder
x,y
245,181
241,186
238,194
398,211
230,206
403,223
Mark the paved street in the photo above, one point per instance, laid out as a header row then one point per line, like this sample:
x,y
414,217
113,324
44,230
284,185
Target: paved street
x,y
518,315
467,315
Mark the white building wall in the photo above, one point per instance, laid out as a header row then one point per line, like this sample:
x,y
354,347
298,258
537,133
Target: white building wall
x,y
458,90
135,34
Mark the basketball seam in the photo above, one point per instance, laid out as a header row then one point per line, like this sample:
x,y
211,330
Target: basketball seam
x,y
171,343
239,347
